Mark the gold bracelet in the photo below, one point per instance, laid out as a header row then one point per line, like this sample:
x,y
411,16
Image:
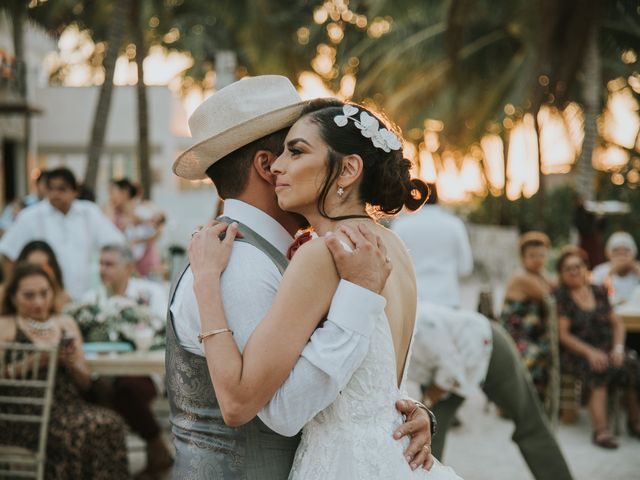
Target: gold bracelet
x,y
211,333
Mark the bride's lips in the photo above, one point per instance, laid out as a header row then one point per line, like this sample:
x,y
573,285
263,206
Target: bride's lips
x,y
281,186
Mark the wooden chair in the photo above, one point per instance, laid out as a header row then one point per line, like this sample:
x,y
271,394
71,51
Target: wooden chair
x,y
553,398
570,392
20,370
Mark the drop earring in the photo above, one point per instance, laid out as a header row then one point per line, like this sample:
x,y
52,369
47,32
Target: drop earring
x,y
340,191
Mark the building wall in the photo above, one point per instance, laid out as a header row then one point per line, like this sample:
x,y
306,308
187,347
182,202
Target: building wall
x,y
63,133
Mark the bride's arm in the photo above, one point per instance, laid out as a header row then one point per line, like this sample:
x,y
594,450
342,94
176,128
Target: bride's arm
x,y
245,383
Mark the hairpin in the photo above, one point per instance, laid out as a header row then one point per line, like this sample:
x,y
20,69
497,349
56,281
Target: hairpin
x,y
369,128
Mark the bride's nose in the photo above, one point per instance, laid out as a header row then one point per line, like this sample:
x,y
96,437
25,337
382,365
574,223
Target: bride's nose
x,y
277,165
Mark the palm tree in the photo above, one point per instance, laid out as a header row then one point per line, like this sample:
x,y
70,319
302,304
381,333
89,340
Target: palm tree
x,y
463,61
143,111
117,26
261,35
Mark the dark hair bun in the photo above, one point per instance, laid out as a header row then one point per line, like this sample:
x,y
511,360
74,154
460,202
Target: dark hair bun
x,y
387,185
418,195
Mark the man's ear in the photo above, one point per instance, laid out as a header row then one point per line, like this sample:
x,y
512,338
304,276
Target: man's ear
x,y
351,170
262,161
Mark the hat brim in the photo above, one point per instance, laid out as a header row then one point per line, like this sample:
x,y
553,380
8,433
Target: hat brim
x,y
193,163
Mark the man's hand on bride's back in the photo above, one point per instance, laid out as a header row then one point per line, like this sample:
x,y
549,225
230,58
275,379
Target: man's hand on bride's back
x,y
208,254
367,264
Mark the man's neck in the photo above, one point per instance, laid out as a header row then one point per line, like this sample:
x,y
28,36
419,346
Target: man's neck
x,y
119,288
290,222
63,212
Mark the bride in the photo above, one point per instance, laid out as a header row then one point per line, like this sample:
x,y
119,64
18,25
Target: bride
x,y
340,162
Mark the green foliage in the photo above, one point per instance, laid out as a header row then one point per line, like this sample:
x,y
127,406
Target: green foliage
x,y
462,61
556,219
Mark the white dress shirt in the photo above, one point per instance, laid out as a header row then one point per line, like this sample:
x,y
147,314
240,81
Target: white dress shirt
x,y
451,349
144,292
75,238
620,287
248,286
439,247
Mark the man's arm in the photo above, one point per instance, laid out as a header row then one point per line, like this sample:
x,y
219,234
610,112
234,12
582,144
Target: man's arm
x,y
338,348
14,240
104,231
326,365
7,266
465,260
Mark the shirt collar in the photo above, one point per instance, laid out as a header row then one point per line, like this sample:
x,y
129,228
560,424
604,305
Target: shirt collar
x,y
260,222
75,206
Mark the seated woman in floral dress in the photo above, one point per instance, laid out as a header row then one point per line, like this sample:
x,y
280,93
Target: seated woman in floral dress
x,y
592,337
524,314
85,441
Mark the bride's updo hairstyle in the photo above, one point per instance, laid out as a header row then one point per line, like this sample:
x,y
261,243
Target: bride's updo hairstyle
x,y
386,183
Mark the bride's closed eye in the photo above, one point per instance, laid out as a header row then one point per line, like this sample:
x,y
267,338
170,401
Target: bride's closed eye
x,y
294,151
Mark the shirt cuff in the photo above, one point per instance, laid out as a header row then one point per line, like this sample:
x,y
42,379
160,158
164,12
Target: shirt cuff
x,y
355,308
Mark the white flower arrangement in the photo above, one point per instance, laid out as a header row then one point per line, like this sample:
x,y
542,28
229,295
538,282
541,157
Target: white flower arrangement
x,y
370,128
117,319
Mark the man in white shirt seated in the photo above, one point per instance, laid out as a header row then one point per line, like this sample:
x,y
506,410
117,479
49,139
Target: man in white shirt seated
x,y
117,267
75,229
131,396
621,274
457,351
440,251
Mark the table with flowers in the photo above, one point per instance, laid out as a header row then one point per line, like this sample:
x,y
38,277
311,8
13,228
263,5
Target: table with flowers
x,y
121,337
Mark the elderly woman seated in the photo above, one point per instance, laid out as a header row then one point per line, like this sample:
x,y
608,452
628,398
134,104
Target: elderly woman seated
x,y
621,274
84,441
592,338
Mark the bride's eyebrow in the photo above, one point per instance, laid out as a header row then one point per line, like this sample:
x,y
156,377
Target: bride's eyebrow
x,y
293,141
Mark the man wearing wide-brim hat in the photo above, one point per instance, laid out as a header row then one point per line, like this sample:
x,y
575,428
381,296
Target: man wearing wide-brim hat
x,y
238,132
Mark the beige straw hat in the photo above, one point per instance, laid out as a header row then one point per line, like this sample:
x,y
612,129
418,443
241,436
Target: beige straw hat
x,y
236,116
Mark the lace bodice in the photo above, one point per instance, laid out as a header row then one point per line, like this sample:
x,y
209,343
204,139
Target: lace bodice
x,y
352,438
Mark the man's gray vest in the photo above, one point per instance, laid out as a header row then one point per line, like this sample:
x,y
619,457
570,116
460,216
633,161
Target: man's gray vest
x,y
206,448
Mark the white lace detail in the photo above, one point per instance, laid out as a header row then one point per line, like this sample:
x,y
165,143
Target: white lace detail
x,y
352,438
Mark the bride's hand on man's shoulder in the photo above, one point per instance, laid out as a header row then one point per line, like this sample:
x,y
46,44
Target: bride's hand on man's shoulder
x,y
208,252
367,263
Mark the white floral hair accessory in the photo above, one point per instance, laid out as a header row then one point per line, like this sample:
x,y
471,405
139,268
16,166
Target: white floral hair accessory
x,y
370,128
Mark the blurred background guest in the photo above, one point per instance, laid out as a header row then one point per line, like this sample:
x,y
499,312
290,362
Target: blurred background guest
x,y
593,340
140,221
117,270
132,396
454,352
41,253
122,195
75,230
85,441
11,211
440,251
524,314
621,274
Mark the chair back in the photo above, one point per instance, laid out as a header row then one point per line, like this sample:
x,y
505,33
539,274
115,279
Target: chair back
x,y
552,402
27,377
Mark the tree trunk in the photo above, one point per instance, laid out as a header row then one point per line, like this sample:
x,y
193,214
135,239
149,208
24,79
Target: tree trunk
x,y
101,116
591,92
143,111
542,188
19,13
